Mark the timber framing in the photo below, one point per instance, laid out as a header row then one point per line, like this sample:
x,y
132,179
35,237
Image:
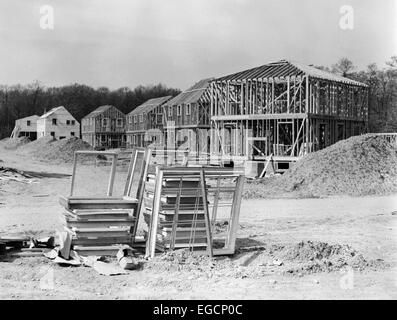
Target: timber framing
x,y
145,124
284,109
104,128
187,119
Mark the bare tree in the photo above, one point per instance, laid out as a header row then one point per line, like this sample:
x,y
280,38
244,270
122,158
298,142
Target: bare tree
x,y
343,67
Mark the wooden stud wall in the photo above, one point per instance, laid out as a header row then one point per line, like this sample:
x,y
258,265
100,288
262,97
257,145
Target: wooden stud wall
x,y
316,112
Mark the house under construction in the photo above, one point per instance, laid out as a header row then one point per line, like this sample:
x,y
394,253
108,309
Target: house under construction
x,y
187,119
144,124
284,109
104,127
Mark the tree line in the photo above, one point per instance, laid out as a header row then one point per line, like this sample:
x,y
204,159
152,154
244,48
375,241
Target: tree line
x,y
19,101
382,82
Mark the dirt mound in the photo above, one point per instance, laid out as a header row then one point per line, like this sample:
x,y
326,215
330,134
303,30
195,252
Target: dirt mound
x,y
306,257
14,143
297,259
181,259
49,149
62,150
360,165
36,145
310,257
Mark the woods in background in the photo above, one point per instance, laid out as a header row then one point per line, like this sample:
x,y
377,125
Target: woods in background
x,y
382,95
382,102
21,101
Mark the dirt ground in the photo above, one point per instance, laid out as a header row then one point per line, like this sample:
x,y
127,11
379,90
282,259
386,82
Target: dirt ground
x,y
262,268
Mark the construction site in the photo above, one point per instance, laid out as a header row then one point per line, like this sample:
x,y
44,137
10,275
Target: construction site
x,y
150,222
198,150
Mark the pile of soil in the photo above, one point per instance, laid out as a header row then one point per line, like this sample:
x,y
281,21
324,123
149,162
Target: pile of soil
x,y
360,165
15,143
179,260
310,257
36,145
49,149
295,259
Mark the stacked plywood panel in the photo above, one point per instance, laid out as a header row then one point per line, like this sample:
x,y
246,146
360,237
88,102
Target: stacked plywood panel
x,y
99,226
193,207
176,210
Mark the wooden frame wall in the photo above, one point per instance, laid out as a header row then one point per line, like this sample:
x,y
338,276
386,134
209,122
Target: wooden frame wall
x,y
288,116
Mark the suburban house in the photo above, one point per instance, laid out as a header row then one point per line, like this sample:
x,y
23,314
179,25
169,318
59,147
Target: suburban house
x,y
104,128
26,127
187,119
284,110
58,123
146,118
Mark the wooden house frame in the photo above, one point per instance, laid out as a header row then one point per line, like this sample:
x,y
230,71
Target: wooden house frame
x,y
284,110
187,119
146,119
104,128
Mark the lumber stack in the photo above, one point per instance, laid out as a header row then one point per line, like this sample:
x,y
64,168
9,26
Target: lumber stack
x,y
193,207
99,226
176,210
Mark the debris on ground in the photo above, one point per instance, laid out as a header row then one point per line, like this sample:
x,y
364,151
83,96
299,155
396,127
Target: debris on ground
x,y
19,245
64,255
221,226
358,166
10,174
65,242
108,269
47,242
3,248
126,259
17,241
55,255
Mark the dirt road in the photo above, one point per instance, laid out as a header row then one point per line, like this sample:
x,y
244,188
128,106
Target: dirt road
x,y
367,224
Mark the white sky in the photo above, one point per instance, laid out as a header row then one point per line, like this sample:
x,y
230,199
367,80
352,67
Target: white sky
x,y
119,43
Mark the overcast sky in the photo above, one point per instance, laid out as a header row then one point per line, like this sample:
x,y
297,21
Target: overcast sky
x,y
178,42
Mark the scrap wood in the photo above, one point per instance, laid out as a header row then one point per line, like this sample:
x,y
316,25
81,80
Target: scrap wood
x,y
54,255
100,265
126,261
73,261
15,175
51,254
65,242
15,240
27,252
107,269
2,248
47,242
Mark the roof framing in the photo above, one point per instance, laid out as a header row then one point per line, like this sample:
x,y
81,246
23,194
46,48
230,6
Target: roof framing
x,y
281,70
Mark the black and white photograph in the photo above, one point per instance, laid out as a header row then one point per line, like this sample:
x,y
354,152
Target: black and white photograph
x,y
198,150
